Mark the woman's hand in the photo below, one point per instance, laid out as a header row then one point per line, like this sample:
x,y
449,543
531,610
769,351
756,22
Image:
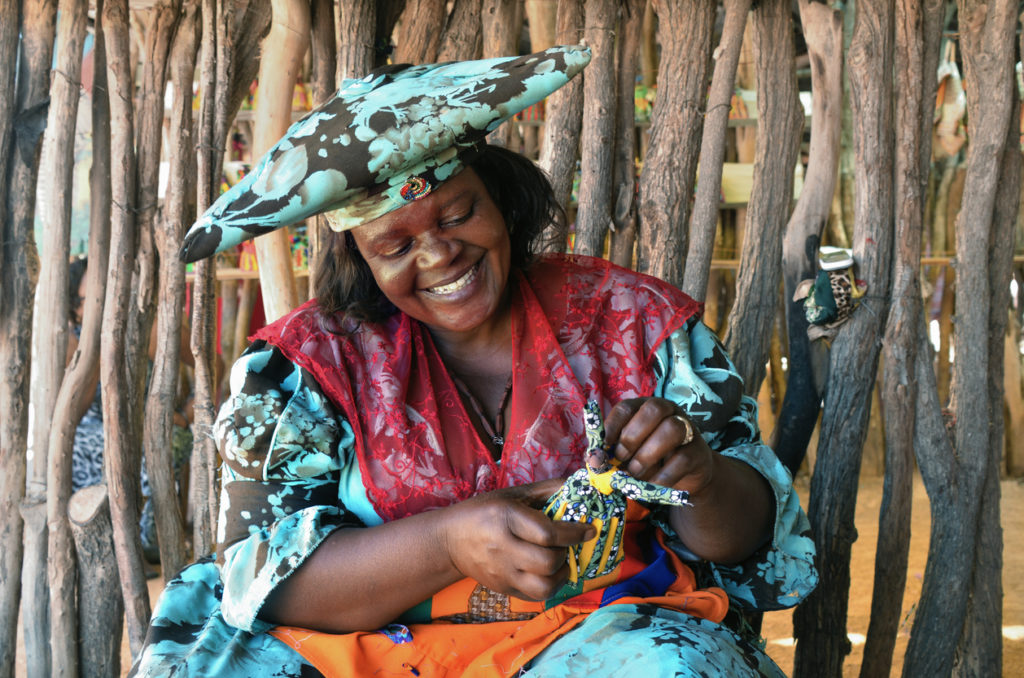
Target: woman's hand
x,y
504,541
732,511
656,442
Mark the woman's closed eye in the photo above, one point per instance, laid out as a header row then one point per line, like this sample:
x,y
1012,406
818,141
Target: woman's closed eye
x,y
396,250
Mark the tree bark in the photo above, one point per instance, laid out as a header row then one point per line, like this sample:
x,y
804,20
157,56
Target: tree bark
x,y
18,274
780,120
51,335
597,143
823,32
100,608
563,119
917,41
462,39
980,652
624,179
324,59
820,621
163,386
357,26
419,32
121,448
500,39
666,181
287,41
960,520
712,151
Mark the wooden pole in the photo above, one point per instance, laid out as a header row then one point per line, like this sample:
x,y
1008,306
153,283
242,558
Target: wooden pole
x,y
563,120
168,231
624,179
121,453
500,39
823,32
287,41
980,650
100,609
357,26
781,118
820,620
19,272
712,150
597,143
324,49
52,304
670,164
462,39
916,40
419,31
960,516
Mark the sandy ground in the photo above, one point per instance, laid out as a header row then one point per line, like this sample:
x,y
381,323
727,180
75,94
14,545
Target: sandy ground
x,y
778,626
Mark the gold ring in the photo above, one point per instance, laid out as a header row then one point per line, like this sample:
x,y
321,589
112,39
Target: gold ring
x,y
688,425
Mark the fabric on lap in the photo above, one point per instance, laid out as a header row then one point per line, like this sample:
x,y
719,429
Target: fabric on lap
x,y
644,640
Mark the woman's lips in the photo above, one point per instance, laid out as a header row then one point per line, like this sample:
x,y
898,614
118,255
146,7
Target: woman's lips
x,y
464,281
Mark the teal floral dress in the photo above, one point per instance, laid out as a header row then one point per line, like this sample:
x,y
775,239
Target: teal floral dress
x,y
290,478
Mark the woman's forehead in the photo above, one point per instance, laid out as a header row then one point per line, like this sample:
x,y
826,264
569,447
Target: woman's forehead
x,y
449,195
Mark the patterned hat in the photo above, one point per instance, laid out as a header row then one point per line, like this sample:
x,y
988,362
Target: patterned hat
x,y
380,143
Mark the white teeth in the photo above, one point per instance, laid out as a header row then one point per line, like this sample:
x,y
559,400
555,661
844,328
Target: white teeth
x,y
453,287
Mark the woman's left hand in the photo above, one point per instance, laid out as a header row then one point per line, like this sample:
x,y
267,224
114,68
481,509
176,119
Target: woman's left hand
x,y
731,512
656,442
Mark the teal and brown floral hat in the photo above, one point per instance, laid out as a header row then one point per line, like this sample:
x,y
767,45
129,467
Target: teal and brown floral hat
x,y
380,143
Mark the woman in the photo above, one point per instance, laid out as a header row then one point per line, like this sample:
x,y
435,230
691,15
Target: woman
x,y
388,448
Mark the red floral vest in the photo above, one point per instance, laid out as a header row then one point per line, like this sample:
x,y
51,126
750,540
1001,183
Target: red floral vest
x,y
583,329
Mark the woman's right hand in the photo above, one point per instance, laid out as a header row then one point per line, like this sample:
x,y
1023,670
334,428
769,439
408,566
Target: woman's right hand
x,y
504,541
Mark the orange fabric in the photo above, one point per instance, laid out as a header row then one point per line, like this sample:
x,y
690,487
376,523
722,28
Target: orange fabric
x,y
488,650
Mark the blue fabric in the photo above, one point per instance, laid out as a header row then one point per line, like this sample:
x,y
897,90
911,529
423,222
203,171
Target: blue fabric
x,y
643,640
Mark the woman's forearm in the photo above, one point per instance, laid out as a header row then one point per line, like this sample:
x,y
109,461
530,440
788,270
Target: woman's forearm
x,y
731,517
363,578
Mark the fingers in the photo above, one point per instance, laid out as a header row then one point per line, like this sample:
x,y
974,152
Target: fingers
x,y
655,442
536,494
534,527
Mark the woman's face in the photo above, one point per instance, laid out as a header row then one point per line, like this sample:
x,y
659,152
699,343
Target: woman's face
x,y
444,259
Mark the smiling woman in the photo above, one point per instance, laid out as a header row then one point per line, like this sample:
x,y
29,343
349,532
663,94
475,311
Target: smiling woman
x,y
390,446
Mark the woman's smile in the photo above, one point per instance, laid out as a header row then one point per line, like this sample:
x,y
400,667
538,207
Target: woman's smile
x,y
464,281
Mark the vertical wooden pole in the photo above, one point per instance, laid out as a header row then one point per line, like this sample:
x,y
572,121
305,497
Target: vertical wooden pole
x,y
820,621
597,143
100,610
500,39
287,41
712,151
462,39
419,31
19,270
781,117
163,388
121,453
823,31
670,164
624,178
324,50
562,123
56,447
917,42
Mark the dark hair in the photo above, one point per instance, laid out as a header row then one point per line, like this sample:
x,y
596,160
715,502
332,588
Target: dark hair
x,y
76,271
517,186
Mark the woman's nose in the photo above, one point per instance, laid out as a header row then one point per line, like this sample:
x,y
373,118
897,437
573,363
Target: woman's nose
x,y
438,249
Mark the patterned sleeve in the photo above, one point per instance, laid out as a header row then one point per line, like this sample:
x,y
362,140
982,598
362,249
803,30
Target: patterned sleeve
x,y
695,371
285,449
